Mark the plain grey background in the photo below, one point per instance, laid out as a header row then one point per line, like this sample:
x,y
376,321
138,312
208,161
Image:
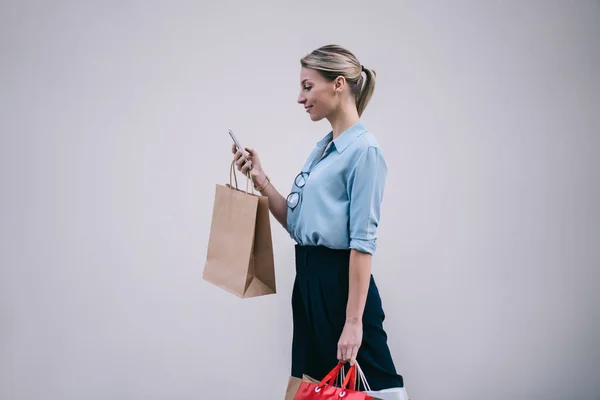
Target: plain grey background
x,y
113,119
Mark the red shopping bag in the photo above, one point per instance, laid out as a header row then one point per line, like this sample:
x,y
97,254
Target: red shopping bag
x,y
325,390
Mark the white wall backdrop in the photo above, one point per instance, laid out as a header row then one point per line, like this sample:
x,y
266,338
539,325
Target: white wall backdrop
x,y
113,120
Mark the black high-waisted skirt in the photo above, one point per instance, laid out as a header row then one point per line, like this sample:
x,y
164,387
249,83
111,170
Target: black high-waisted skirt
x,y
319,299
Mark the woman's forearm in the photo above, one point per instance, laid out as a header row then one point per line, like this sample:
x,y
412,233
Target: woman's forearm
x,y
277,203
360,277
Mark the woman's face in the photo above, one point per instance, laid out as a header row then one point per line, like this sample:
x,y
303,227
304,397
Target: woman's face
x,y
317,95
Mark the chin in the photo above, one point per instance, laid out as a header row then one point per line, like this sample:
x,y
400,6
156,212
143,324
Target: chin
x,y
316,117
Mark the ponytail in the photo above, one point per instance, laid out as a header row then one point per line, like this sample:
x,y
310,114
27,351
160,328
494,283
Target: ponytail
x,y
366,92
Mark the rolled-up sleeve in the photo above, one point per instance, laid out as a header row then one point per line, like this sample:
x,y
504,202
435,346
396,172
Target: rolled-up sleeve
x,y
366,184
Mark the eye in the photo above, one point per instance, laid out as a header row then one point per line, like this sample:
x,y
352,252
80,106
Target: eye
x,y
307,88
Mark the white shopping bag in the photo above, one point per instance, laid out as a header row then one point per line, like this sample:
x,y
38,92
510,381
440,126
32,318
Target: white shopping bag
x,y
389,394
385,394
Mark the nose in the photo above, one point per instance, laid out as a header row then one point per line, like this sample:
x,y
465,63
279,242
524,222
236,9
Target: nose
x,y
301,98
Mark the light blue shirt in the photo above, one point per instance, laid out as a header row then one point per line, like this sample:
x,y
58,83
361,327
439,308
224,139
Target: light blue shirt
x,y
339,204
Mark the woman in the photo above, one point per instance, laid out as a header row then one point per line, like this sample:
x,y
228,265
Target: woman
x,y
332,213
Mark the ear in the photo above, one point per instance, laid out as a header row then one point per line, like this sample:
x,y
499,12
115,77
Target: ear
x,y
338,84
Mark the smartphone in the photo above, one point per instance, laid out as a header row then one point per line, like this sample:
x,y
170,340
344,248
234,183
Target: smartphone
x,y
237,144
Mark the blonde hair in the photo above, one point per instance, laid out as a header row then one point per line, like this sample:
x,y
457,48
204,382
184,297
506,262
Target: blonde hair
x,y
333,61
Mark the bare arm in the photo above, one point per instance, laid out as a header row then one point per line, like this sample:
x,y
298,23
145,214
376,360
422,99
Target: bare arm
x,y
359,280
277,203
360,277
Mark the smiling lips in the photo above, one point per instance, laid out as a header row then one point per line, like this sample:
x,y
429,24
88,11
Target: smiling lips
x,y
308,108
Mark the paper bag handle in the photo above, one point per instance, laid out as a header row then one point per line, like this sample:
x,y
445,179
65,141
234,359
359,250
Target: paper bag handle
x,y
363,378
232,172
355,373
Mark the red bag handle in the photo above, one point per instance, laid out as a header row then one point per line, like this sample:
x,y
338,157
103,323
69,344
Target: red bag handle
x,y
350,380
330,377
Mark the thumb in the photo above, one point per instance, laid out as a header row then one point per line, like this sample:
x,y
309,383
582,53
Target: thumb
x,y
250,150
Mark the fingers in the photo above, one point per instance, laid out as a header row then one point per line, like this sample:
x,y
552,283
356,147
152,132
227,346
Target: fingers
x,y
250,150
344,352
347,353
341,353
242,162
247,166
353,355
240,158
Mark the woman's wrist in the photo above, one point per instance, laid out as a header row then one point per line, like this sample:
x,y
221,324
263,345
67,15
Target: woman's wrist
x,y
260,180
258,177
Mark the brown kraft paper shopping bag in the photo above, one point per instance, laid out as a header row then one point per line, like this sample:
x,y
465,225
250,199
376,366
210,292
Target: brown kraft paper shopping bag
x,y
292,387
240,250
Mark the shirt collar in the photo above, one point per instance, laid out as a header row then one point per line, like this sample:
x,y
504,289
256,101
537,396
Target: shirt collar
x,y
346,138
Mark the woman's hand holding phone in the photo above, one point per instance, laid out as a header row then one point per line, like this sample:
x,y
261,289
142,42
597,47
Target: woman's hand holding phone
x,y
248,161
251,161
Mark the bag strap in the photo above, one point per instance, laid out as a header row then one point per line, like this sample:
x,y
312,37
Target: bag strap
x,y
330,377
362,377
351,378
232,173
350,381
341,376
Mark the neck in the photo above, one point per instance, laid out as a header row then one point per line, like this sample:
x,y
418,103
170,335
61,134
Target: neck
x,y
343,119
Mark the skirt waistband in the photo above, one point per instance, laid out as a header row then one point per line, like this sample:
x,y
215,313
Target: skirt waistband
x,y
320,258
322,250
